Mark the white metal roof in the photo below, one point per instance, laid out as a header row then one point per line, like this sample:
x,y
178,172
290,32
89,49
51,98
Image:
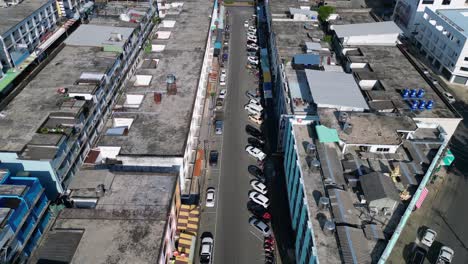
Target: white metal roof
x,y
365,29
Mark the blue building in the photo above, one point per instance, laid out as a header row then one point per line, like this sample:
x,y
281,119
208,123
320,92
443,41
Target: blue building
x,y
50,126
24,215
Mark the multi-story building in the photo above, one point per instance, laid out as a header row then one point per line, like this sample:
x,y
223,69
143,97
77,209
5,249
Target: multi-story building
x,y
24,215
408,13
442,39
114,217
53,122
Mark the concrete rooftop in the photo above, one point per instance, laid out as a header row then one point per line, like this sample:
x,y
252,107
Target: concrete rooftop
x,y
108,13
127,225
31,107
12,15
396,73
352,16
162,129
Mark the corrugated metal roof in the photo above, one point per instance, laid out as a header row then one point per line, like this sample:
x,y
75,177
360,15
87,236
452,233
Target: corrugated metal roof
x,y
59,246
335,89
307,59
376,186
354,246
365,29
343,208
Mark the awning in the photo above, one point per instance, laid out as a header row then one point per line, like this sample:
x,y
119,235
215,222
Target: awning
x,y
422,197
326,135
448,158
197,170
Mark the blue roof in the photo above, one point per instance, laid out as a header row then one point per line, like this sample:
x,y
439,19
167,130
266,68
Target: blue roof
x,y
458,16
217,45
307,59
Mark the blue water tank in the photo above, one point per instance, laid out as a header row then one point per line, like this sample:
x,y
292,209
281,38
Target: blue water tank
x,y
429,104
413,93
414,105
421,93
405,93
422,104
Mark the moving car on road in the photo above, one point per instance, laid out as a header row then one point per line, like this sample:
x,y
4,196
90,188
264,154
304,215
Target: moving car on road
x,y
259,198
445,255
255,152
206,247
210,197
246,23
214,158
429,237
449,97
253,131
260,225
258,186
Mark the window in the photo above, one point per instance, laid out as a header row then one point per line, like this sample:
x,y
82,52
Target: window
x,y
446,2
383,149
464,69
466,58
427,2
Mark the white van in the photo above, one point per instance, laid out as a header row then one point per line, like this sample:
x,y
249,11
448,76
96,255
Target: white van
x,y
254,109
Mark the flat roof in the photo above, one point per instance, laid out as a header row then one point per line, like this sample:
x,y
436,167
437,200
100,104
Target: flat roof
x,y
13,15
395,73
127,225
458,17
24,115
299,92
109,13
380,129
366,29
335,89
99,36
162,128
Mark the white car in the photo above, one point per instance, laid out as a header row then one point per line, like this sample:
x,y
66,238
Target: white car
x,y
257,119
210,197
223,73
222,93
252,29
260,226
252,47
251,34
252,95
252,38
259,199
449,97
246,23
429,237
222,80
252,60
258,186
206,249
255,101
255,152
445,255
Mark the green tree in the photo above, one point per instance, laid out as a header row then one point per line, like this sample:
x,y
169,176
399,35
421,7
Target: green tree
x,y
324,12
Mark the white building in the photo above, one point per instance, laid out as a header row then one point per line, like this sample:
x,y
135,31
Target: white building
x,y
408,12
378,33
442,38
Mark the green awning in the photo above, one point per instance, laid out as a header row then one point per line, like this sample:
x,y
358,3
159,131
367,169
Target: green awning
x,y
326,135
448,159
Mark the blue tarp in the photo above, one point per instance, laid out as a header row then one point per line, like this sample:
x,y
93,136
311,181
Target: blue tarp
x,y
217,45
307,59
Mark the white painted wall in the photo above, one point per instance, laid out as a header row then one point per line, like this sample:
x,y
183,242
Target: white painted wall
x,y
448,124
383,39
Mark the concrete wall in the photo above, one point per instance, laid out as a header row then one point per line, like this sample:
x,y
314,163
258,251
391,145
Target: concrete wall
x,y
448,124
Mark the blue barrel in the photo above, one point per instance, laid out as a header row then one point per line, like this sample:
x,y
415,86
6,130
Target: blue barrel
x,y
413,93
414,105
422,104
421,93
429,104
405,93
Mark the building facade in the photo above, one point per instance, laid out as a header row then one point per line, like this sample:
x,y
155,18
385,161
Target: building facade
x,y
24,215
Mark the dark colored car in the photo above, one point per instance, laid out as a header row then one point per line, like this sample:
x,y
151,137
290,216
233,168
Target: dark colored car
x,y
258,211
257,173
253,131
225,57
419,256
256,142
214,158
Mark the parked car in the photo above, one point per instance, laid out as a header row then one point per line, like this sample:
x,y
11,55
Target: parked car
x,y
246,23
258,211
210,197
258,186
429,237
252,95
254,109
252,45
253,131
256,142
223,73
259,198
252,29
222,93
225,57
260,225
222,80
449,97
419,256
252,39
445,255
206,247
255,152
252,48
252,60
252,53
252,34
257,173
257,119
219,127
219,103
255,101
214,158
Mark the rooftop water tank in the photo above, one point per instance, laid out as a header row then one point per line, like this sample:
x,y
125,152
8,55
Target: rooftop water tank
x,y
414,105
413,93
324,203
421,93
422,104
429,104
405,93
329,228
